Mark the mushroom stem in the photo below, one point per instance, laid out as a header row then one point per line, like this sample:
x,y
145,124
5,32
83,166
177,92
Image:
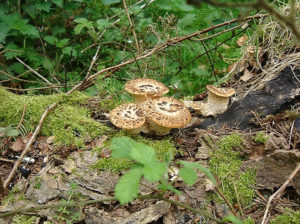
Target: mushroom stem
x,y
158,129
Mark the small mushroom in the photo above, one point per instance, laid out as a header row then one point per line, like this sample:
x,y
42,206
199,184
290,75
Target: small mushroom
x,y
129,117
165,113
143,89
217,101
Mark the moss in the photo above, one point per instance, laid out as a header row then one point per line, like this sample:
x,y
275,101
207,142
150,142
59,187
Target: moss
x,y
290,217
69,122
248,220
23,219
225,163
161,147
14,195
261,137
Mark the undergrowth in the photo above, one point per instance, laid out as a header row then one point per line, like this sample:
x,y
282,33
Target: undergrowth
x,y
70,123
237,185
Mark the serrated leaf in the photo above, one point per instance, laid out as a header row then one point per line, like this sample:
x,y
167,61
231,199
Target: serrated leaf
x,y
121,147
143,153
167,187
197,166
62,42
232,218
102,24
60,3
51,39
110,2
188,175
154,171
47,64
78,28
44,6
13,51
4,31
17,67
69,51
128,186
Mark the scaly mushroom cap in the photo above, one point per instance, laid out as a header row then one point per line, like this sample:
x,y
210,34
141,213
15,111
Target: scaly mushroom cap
x,y
222,92
167,112
127,116
145,88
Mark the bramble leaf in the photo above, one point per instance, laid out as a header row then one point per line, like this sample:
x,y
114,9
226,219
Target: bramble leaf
x,y
9,131
232,218
128,186
121,147
154,171
188,175
110,2
51,39
62,42
197,166
142,153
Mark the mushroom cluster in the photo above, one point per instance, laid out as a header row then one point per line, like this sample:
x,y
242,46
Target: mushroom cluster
x,y
216,103
151,112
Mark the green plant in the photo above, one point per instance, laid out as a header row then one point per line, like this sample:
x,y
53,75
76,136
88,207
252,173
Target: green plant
x,y
261,137
69,217
147,166
23,219
290,217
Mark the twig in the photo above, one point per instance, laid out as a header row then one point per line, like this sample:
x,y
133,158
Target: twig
x,y
33,71
226,201
32,139
132,27
279,191
7,160
39,88
291,132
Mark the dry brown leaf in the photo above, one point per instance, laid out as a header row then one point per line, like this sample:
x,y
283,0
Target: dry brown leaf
x,y
209,186
44,147
18,145
231,67
246,76
242,40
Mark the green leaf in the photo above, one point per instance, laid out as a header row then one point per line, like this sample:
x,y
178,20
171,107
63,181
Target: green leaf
x,y
121,147
154,171
62,43
69,51
17,67
188,175
167,187
45,6
110,2
128,186
51,39
60,3
197,166
47,64
13,51
102,24
9,131
78,28
143,153
232,218
4,31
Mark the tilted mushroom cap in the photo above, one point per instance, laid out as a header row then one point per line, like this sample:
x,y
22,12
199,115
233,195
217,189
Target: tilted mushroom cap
x,y
222,92
167,112
127,116
146,87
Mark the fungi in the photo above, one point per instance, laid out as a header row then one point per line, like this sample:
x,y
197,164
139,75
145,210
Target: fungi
x,y
129,117
217,100
165,113
143,89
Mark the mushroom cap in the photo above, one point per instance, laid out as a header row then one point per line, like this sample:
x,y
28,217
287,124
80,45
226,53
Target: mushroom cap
x,y
127,116
146,87
167,112
222,92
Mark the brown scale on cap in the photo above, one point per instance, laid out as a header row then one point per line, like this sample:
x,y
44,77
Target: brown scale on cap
x,y
165,113
127,116
143,89
222,92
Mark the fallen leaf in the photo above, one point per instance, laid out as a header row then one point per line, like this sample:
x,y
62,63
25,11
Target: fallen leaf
x,y
18,145
209,186
44,147
241,41
246,76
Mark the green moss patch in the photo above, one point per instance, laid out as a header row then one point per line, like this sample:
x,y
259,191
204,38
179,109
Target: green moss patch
x,y
70,123
290,217
236,185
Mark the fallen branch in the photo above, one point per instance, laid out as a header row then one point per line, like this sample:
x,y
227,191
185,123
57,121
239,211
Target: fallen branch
x,y
279,191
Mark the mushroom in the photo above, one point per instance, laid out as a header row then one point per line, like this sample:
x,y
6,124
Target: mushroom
x,y
143,89
217,100
165,113
129,117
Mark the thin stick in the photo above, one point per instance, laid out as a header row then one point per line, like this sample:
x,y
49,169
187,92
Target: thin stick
x,y
7,160
226,201
132,27
279,191
32,139
33,71
291,132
